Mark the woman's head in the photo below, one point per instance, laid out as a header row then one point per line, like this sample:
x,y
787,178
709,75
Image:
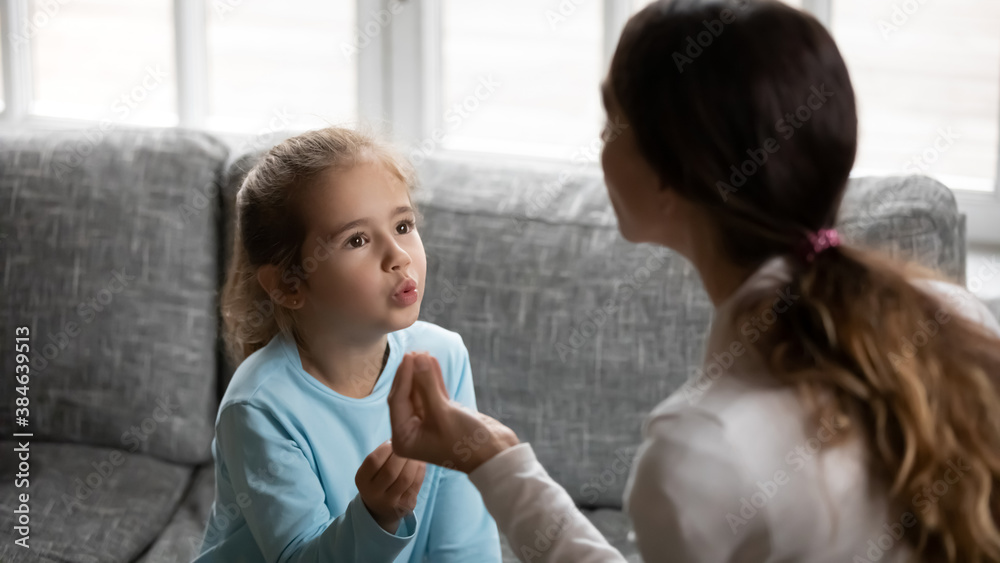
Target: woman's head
x,y
739,114
325,236
738,126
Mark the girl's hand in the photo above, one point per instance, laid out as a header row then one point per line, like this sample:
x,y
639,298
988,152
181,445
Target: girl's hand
x,y
428,426
389,485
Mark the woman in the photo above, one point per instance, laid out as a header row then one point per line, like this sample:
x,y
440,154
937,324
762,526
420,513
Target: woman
x,y
827,437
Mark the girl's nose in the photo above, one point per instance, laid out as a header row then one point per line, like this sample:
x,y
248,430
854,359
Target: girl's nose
x,y
396,258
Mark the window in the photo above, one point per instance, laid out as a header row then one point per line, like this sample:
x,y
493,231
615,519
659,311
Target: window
x,y
280,65
102,59
521,76
503,78
927,79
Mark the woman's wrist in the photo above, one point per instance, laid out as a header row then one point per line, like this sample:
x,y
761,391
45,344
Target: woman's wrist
x,y
500,439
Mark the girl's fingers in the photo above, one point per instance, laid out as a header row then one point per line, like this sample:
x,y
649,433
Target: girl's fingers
x,y
409,497
418,479
389,472
371,464
405,478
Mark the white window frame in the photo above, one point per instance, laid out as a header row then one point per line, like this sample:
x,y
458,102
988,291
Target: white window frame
x,y
407,52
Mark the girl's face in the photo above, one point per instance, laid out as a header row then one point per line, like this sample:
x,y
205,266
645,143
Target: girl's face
x,y
364,248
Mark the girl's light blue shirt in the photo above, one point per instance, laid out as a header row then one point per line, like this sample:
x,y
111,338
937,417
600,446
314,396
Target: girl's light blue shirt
x,y
286,451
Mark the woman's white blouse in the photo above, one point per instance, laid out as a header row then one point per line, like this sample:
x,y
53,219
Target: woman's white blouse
x,y
728,471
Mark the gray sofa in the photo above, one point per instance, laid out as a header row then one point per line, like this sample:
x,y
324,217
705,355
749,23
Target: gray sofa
x,y
113,245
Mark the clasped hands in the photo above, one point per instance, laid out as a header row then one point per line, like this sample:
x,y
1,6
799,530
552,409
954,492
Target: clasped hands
x,y
427,427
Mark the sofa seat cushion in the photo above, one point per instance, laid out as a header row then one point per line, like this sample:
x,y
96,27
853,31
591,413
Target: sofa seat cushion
x,y
88,504
181,540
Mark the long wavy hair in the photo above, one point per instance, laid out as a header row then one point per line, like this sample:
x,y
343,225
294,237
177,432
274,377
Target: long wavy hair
x,y
712,89
270,227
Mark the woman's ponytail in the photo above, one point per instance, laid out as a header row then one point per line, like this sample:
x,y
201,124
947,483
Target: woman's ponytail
x,y
918,383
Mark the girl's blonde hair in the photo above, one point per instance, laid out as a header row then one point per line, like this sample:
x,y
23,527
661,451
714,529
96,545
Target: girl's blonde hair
x,y
270,227
861,343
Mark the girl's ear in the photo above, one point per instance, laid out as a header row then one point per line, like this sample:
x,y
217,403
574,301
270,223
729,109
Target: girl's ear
x,y
269,277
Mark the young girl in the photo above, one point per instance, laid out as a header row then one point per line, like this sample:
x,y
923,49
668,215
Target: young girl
x,y
320,305
861,423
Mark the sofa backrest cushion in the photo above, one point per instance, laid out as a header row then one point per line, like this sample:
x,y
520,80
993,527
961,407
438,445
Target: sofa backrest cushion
x,y
110,248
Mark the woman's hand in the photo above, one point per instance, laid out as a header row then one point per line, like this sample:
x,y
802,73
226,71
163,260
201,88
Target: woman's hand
x,y
428,426
389,485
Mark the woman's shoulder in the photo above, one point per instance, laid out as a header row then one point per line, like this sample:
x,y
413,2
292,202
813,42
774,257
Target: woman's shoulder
x,y
956,299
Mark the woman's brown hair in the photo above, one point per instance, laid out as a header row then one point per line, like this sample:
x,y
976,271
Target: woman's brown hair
x,y
270,228
747,109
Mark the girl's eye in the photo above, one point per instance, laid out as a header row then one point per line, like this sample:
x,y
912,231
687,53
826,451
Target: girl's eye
x,y
405,227
356,241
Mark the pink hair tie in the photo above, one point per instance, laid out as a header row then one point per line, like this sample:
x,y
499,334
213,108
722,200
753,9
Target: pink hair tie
x,y
818,242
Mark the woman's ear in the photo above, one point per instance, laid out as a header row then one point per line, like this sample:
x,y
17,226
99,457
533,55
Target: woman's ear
x,y
269,278
667,200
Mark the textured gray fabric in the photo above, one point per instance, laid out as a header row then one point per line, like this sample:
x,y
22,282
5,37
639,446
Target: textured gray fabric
x,y
612,523
88,504
180,541
909,217
113,237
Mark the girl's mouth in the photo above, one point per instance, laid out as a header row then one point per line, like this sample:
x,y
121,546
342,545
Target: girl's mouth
x,y
406,293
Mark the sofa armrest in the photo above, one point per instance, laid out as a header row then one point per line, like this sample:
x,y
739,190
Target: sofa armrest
x,y
994,306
